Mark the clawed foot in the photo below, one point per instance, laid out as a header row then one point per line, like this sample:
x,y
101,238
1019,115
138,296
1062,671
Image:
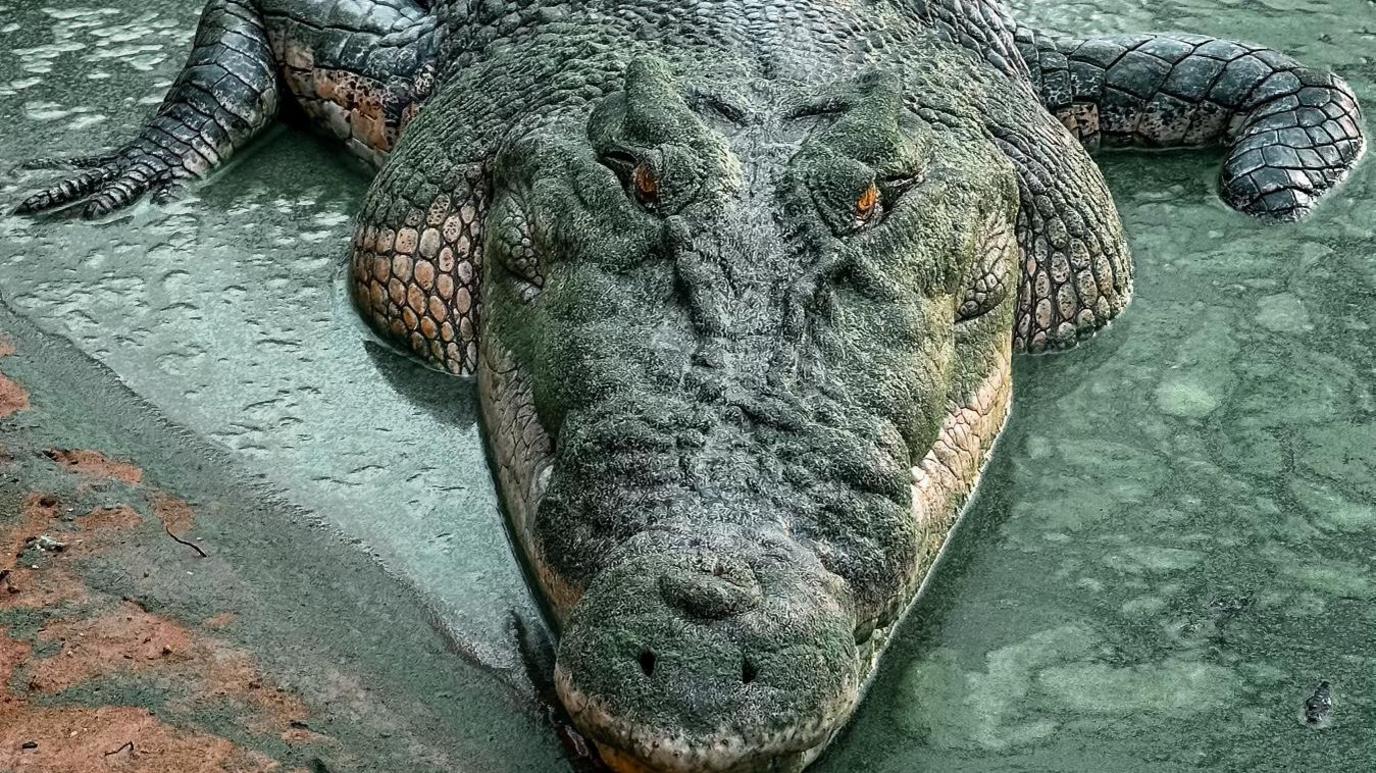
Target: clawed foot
x,y
102,184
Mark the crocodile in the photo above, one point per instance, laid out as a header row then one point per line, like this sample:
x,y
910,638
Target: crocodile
x,y
740,283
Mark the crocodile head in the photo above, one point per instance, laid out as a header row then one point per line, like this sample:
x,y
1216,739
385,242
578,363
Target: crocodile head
x,y
740,369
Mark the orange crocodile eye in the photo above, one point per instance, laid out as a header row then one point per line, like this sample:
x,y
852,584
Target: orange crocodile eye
x,y
646,186
868,203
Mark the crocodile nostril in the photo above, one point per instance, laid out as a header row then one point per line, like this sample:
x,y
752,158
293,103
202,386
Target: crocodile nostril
x,y
748,670
647,661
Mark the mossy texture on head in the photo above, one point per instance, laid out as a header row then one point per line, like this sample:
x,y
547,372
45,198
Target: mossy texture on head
x,y
743,363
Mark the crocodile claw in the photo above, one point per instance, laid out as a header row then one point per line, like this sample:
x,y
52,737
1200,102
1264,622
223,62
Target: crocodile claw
x,y
104,184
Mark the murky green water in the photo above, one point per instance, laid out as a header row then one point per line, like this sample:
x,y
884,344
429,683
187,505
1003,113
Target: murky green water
x,y
1174,545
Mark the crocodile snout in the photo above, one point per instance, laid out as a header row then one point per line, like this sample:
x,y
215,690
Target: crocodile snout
x,y
727,654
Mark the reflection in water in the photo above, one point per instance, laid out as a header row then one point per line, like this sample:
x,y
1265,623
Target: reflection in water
x,y
1171,555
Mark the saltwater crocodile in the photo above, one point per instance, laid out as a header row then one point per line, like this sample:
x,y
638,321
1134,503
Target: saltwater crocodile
x,y
740,282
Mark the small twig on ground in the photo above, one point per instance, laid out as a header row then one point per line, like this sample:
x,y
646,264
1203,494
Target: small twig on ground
x,y
127,745
187,543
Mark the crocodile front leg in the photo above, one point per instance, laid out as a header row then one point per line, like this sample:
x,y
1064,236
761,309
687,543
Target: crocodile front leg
x,y
225,96
1292,132
1076,267
359,69
417,258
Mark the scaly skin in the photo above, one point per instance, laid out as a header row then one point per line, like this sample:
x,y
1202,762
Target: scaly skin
x,y
1291,131
740,283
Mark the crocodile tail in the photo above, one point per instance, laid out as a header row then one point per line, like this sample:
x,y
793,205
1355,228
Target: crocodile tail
x,y
1293,132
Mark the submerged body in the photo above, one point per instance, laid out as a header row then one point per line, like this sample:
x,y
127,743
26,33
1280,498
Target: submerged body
x,y
740,284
